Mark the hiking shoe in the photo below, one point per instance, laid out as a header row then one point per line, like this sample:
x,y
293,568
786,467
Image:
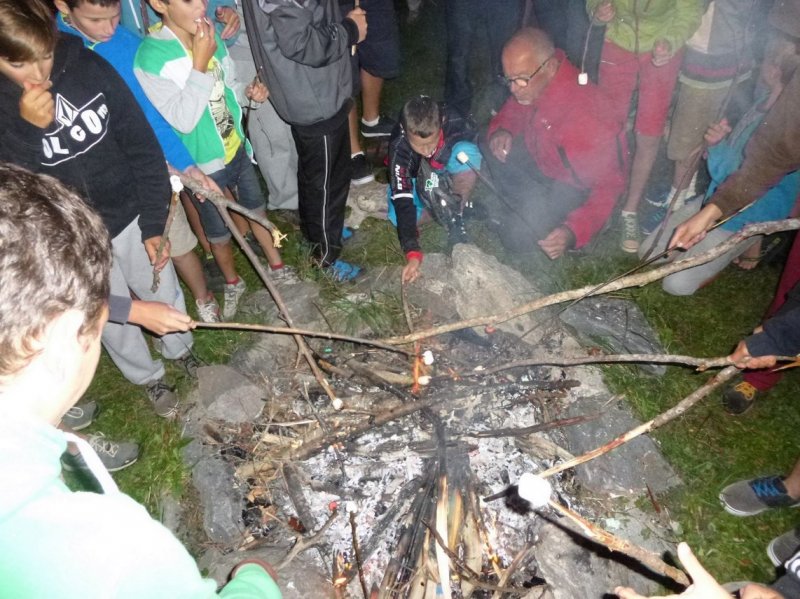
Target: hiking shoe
x,y
383,128
208,310
343,272
80,416
285,274
115,456
362,171
232,294
189,363
781,549
215,280
163,398
738,398
751,497
457,233
630,232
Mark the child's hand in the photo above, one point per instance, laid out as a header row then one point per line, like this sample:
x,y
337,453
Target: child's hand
x,y
257,91
411,271
557,242
37,105
151,247
662,53
359,17
204,44
717,132
604,12
228,16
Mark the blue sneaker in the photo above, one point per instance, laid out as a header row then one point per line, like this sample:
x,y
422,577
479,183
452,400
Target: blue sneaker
x,y
347,234
343,272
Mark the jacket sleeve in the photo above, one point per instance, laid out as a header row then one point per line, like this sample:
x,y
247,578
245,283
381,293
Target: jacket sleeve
x,y
401,192
20,141
781,336
773,151
182,107
598,166
301,40
685,21
251,580
144,157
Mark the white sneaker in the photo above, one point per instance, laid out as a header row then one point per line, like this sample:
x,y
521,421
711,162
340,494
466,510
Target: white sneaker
x,y
285,274
232,294
208,311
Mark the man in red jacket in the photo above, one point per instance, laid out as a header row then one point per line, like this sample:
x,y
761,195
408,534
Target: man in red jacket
x,y
555,154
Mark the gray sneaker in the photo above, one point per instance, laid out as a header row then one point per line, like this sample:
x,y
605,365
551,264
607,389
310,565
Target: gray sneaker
x,y
286,275
163,398
781,549
630,232
115,456
189,363
751,497
80,416
233,293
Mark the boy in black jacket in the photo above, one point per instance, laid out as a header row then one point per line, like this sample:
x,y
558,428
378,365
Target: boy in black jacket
x,y
68,114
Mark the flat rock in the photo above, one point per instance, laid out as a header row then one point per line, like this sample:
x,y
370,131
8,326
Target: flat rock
x,y
366,200
227,395
221,500
618,324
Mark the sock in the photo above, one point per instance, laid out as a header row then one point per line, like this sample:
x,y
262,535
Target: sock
x,y
236,280
371,123
277,266
627,213
356,154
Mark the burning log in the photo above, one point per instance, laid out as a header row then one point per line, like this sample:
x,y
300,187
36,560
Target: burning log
x,y
634,280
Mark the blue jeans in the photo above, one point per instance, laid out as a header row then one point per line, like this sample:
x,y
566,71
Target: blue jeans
x,y
239,175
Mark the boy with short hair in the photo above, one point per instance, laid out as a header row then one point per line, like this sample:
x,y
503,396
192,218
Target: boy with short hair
x,y
188,75
55,260
424,172
96,23
68,114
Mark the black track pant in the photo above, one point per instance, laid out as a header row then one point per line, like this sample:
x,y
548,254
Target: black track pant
x,y
323,181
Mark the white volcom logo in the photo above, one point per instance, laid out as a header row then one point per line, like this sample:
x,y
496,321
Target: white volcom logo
x,y
78,129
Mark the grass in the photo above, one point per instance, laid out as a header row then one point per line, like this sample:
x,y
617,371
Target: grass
x,y
707,447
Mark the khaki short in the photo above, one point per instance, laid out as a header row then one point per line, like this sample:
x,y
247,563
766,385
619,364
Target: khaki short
x,y
695,110
180,233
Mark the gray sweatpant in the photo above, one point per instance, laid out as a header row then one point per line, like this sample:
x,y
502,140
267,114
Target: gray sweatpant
x,y
131,271
686,282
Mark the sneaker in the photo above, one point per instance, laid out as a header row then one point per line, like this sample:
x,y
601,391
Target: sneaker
x,y
781,549
343,272
163,398
362,171
457,233
215,280
233,293
208,311
115,456
347,234
285,274
738,398
751,497
630,232
383,128
80,416
189,363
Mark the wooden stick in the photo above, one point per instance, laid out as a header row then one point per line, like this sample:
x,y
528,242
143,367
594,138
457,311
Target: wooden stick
x,y
223,205
635,280
700,363
242,326
680,408
357,555
614,543
173,204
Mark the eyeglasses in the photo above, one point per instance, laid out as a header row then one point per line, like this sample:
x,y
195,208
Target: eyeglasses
x,y
523,81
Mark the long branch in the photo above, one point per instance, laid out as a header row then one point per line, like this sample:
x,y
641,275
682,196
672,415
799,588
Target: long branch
x,y
223,205
634,280
678,409
700,363
243,326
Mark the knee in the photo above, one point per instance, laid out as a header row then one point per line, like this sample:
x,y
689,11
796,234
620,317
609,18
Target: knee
x,y
678,285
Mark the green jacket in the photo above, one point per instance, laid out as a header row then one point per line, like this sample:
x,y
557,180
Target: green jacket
x,y
73,545
182,95
672,20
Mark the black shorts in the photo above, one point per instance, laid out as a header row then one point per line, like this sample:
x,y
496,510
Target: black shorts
x,y
379,53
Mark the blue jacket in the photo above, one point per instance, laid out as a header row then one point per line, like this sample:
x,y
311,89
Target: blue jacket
x,y
120,51
725,158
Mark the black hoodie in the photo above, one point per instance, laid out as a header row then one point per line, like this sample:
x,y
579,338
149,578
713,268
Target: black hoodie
x,y
99,142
